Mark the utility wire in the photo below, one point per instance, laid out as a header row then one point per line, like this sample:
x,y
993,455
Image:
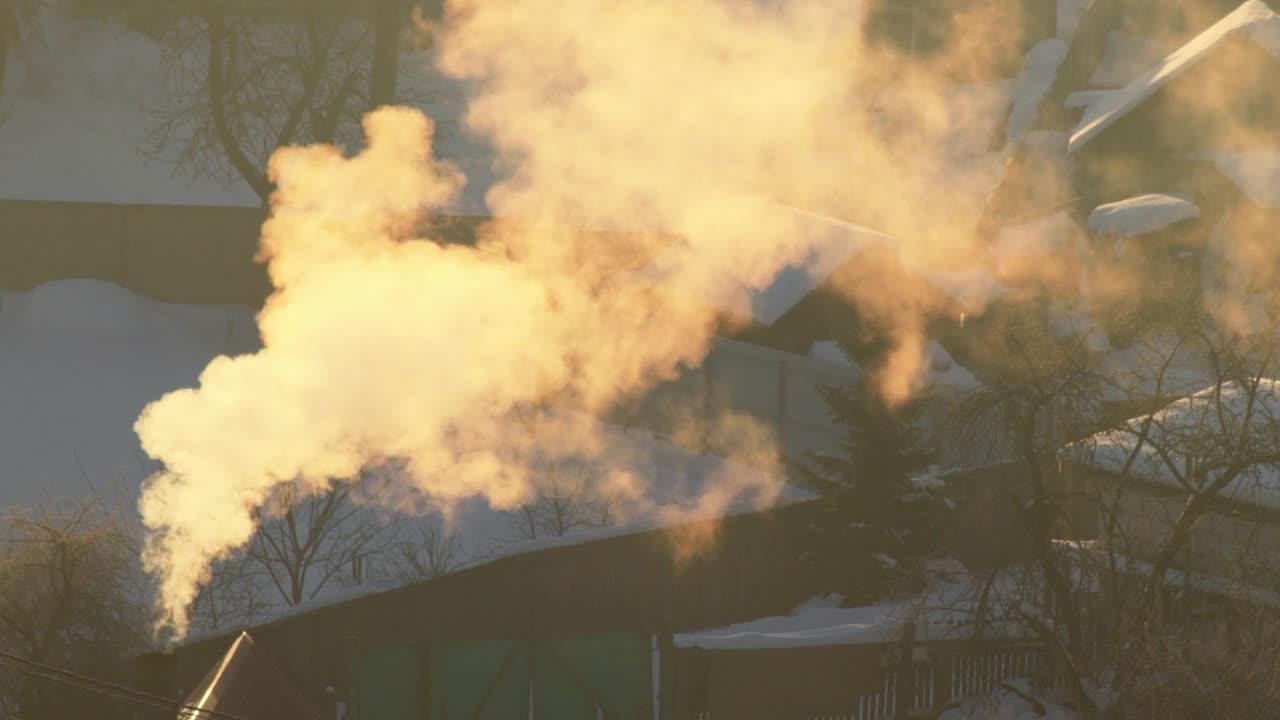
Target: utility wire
x,y
103,687
100,691
161,703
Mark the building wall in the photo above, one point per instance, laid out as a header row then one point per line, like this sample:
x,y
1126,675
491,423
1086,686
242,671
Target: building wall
x,y
179,254
779,390
749,567
172,253
1232,542
206,255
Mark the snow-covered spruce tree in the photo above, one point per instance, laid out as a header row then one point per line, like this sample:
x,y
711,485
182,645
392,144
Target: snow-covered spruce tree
x,y
884,513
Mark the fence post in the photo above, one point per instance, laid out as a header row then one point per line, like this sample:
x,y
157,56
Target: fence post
x,y
905,688
944,674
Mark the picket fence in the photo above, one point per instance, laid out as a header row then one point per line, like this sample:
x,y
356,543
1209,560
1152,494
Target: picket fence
x,y
946,675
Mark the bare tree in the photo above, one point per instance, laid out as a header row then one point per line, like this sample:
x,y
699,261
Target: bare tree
x,y
1139,425
304,544
244,87
428,552
562,502
1041,390
246,77
562,498
71,596
16,26
235,596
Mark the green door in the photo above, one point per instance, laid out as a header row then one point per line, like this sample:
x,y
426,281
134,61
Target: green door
x,y
603,677
587,678
479,681
387,685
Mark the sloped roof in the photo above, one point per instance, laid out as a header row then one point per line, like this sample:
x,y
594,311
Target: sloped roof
x,y
1252,20
1125,58
1256,173
1187,429
245,683
944,612
828,244
1142,214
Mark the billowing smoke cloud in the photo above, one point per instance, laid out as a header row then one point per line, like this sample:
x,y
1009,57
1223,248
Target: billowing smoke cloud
x,y
700,120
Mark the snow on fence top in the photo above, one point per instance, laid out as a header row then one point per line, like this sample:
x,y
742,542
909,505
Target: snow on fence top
x,y
1254,20
1201,428
948,611
1142,214
807,627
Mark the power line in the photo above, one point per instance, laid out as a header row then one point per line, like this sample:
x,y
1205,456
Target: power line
x,y
100,691
102,687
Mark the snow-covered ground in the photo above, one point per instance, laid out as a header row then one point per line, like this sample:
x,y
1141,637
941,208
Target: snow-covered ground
x,y
1016,700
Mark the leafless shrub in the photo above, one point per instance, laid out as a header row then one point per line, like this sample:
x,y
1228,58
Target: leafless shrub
x,y
71,596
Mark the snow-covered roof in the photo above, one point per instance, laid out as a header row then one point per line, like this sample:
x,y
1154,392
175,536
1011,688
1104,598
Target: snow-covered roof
x,y
834,244
477,521
79,359
1037,78
943,372
1071,322
1150,360
1180,433
940,370
1097,552
947,611
1035,240
826,244
1142,214
1085,98
970,289
829,351
1252,20
1256,173
1126,57
811,626
1069,13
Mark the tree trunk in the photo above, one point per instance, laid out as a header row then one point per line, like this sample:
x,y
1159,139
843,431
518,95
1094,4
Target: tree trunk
x,y
386,53
256,180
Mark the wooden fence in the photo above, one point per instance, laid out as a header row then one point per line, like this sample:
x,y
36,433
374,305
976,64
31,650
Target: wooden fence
x,y
946,673
947,676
